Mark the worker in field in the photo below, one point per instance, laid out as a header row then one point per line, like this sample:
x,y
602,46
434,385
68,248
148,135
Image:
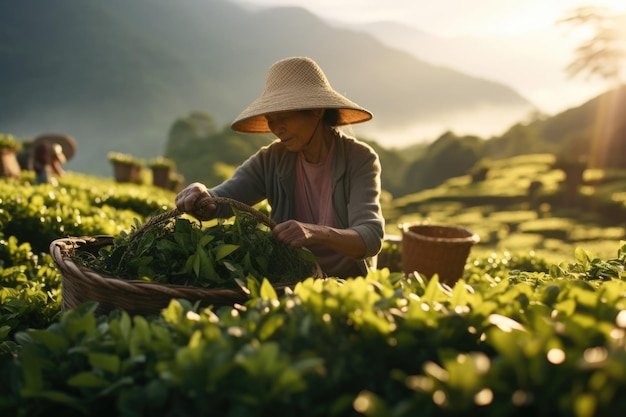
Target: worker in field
x,y
48,161
323,185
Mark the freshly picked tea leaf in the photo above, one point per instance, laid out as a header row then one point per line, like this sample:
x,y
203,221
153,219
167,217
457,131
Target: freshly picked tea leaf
x,y
181,251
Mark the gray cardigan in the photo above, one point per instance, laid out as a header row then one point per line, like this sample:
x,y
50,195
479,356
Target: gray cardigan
x,y
270,174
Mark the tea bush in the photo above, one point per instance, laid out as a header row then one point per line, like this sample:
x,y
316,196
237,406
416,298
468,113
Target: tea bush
x,y
516,335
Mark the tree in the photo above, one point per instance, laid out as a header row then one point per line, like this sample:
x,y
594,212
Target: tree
x,y
186,129
603,54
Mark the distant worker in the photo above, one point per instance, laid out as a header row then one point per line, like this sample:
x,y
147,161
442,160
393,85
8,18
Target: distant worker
x,y
48,161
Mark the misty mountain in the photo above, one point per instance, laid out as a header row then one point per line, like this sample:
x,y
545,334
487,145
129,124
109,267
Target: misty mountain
x,y
116,75
515,60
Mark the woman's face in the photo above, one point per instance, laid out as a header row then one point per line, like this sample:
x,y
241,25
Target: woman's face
x,y
295,129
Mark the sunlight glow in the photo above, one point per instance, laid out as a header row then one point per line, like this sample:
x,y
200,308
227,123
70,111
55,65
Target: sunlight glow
x,y
607,119
596,355
447,17
556,356
521,43
362,403
483,397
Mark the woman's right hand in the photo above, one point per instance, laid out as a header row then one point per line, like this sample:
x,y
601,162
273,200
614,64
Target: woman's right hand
x,y
192,199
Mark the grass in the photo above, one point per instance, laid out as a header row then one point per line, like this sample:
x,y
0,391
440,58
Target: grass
x,y
507,217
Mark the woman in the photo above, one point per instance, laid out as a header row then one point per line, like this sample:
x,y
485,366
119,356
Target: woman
x,y
323,187
48,160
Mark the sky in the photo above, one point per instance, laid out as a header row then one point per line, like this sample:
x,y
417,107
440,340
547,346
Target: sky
x,y
449,17
514,19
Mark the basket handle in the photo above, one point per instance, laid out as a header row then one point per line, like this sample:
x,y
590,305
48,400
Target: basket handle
x,y
202,205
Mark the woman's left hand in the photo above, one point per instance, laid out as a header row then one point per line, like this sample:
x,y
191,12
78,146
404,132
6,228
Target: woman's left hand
x,y
295,233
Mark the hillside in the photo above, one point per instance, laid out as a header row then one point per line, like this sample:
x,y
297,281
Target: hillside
x,y
117,74
594,132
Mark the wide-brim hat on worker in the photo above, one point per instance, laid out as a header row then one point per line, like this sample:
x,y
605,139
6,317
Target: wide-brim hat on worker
x,y
297,83
66,142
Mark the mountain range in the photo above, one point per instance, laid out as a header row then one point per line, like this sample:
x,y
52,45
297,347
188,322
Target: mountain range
x,y
116,75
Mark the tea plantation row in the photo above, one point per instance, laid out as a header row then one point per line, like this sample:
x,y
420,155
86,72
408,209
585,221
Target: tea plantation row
x,y
515,336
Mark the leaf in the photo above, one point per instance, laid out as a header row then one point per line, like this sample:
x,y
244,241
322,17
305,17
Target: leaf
x,y
196,264
56,343
205,240
61,398
105,361
307,255
235,268
125,326
190,264
81,325
87,380
4,331
269,326
268,291
504,323
582,257
145,244
225,250
207,270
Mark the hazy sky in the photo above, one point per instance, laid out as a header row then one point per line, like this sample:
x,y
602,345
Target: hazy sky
x,y
528,26
449,17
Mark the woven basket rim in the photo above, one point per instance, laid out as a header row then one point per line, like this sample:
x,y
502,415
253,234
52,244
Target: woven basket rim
x,y
80,283
409,229
59,249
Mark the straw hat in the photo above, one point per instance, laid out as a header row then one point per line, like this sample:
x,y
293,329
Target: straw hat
x,y
296,83
67,143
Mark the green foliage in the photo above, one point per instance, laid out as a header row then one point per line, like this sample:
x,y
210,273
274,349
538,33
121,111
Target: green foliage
x,y
78,206
201,151
515,336
29,291
184,130
125,158
533,343
519,207
180,251
448,156
394,180
8,141
161,162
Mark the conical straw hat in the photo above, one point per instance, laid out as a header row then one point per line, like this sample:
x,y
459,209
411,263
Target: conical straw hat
x,y
68,144
297,83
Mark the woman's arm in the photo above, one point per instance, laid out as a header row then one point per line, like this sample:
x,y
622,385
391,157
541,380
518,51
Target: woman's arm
x,y
347,242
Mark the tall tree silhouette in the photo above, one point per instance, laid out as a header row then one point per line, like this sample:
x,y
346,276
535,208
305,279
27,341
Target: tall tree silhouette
x,y
603,54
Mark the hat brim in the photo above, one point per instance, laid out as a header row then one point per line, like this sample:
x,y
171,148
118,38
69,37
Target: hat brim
x,y
252,119
68,144
258,124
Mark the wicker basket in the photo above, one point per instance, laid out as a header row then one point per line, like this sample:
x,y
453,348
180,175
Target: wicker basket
x,y
80,284
436,249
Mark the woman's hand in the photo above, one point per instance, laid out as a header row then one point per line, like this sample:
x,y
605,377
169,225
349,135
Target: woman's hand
x,y
294,233
297,234
192,199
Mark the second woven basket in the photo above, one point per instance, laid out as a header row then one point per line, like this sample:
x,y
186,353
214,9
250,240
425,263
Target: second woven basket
x,y
436,249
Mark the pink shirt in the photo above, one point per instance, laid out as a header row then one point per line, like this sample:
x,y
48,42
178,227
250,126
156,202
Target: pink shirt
x,y
313,204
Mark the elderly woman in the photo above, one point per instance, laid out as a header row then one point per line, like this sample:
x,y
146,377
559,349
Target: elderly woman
x,y
323,186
